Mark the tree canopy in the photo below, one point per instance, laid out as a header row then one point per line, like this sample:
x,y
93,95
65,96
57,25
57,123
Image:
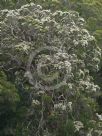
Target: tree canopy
x,y
48,67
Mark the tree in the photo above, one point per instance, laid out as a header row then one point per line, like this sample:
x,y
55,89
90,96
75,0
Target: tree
x,y
56,74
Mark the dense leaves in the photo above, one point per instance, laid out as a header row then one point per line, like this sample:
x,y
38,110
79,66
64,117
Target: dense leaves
x,y
39,49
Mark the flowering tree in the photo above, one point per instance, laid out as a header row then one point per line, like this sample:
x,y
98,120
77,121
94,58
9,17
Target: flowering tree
x,y
51,56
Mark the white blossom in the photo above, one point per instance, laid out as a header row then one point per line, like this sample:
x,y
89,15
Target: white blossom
x,y
78,125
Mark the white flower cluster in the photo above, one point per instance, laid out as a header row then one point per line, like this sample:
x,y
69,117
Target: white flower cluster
x,y
60,106
78,125
62,61
35,102
89,86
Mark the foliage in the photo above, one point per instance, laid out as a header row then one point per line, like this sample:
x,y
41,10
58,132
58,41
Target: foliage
x,y
71,109
9,99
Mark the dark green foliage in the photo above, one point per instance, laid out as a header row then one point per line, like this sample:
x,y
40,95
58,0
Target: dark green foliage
x,y
9,99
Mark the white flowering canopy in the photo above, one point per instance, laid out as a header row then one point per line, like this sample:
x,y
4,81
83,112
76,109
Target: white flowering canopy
x,y
31,28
